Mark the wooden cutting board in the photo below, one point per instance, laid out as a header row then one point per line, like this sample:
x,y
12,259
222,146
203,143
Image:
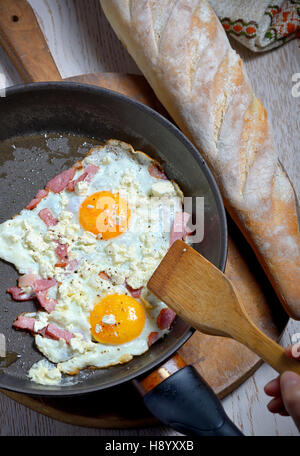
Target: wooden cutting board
x,y
224,364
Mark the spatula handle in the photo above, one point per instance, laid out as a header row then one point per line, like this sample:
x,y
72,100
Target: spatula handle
x,y
271,352
23,40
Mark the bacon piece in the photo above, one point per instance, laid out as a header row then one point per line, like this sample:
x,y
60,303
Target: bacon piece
x,y
18,294
47,217
37,199
180,229
48,304
30,280
59,183
44,284
24,323
50,331
56,333
42,332
41,288
27,280
104,276
152,338
165,318
135,292
62,251
89,172
62,254
42,193
155,171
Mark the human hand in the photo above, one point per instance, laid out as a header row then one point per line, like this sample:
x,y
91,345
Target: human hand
x,y
285,391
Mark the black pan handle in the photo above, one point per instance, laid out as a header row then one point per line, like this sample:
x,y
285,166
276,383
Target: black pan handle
x,y
185,402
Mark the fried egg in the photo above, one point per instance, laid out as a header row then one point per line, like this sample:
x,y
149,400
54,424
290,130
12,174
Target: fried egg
x,y
100,239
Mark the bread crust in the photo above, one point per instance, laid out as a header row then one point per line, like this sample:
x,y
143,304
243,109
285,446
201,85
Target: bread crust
x,y
184,53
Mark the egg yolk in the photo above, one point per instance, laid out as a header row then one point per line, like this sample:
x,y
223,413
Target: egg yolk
x,y
104,213
125,317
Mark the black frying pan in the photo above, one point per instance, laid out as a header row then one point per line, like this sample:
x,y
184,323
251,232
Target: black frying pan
x,y
44,128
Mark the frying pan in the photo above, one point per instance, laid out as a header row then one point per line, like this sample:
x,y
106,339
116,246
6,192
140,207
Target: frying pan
x,y
46,127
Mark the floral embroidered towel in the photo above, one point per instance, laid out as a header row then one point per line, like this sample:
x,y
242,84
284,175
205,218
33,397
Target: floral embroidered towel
x,y
260,24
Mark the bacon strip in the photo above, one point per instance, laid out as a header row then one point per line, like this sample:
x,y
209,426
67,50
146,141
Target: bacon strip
x,y
48,304
180,229
135,292
18,294
27,280
156,172
165,318
152,338
44,284
60,182
24,323
40,288
62,254
42,332
50,331
56,333
89,172
38,198
47,217
30,280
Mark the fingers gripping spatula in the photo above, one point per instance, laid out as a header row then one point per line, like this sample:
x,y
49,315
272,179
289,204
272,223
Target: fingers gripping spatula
x,y
205,298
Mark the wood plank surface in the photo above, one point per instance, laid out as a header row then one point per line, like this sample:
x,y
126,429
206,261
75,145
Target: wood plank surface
x,y
224,364
81,41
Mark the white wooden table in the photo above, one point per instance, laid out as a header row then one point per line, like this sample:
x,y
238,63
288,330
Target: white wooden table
x,y
81,41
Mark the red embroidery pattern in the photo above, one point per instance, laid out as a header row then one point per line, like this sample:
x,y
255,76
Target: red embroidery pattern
x,y
240,27
285,23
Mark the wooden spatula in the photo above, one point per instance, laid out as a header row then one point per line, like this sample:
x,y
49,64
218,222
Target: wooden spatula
x,y
202,295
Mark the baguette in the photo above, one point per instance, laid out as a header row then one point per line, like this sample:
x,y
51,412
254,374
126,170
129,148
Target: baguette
x,y
184,53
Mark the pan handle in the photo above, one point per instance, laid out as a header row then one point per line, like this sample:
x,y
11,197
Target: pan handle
x,y
24,42
184,401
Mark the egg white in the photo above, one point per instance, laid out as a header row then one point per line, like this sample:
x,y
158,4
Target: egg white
x,y
30,245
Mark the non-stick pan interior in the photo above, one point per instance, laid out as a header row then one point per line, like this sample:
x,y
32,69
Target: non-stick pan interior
x,y
45,128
